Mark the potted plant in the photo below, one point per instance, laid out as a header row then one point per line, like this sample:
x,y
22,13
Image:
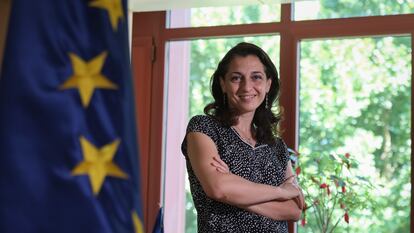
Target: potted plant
x,y
333,190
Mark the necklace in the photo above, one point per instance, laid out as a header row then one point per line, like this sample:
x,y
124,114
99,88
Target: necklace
x,y
250,140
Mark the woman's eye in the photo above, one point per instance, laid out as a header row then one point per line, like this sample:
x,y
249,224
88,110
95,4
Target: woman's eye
x,y
257,77
235,78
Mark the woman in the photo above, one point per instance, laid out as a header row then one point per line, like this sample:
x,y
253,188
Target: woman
x,y
240,174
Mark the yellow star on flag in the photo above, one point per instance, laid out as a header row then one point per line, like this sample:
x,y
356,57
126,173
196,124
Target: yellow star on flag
x,y
137,223
114,8
98,163
87,76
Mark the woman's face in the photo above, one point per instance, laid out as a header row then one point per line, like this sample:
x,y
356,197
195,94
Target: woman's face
x,y
245,84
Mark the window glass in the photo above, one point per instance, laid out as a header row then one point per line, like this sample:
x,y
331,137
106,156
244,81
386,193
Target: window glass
x,y
355,133
216,16
325,9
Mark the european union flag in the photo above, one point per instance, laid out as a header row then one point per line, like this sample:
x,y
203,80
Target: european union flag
x,y
68,156
159,222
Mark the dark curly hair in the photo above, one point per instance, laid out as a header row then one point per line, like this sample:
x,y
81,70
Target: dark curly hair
x,y
265,121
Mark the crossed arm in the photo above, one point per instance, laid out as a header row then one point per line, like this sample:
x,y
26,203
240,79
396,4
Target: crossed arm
x,y
283,202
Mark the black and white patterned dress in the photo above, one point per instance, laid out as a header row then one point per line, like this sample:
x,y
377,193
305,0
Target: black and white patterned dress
x,y
261,164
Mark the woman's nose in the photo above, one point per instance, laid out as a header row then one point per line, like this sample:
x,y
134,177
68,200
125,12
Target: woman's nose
x,y
246,84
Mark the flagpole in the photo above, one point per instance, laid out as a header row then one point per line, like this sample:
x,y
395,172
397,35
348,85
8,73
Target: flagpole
x,y
5,6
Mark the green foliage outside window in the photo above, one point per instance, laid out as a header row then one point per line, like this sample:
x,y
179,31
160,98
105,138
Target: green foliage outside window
x,y
355,97
259,13
325,9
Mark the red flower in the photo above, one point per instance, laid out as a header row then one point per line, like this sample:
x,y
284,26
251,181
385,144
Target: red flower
x,y
336,183
298,170
346,217
342,206
324,185
343,189
303,222
347,155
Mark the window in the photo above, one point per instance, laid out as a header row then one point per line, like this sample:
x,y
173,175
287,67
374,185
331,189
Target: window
x,y
355,98
335,75
327,9
217,16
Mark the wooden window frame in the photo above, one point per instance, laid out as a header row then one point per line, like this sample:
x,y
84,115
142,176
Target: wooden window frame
x,y
153,25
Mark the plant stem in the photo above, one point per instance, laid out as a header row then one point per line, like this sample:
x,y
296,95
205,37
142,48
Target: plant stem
x,y
335,199
339,219
317,213
318,216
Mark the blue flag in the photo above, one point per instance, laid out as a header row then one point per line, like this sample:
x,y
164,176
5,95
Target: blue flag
x,y
159,222
68,149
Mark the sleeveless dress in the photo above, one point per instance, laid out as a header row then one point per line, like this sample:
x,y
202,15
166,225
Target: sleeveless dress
x,y
261,164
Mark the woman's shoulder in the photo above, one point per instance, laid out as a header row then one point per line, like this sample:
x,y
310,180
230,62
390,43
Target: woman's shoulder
x,y
204,124
201,118
203,121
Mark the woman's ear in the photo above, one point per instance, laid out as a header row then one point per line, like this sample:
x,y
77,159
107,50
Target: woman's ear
x,y
268,84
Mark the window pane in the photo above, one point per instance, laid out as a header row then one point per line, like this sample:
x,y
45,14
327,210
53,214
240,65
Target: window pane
x,y
325,9
355,98
215,16
205,55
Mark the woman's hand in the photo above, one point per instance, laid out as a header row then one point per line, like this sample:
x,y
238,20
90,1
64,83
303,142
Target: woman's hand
x,y
299,200
220,165
289,189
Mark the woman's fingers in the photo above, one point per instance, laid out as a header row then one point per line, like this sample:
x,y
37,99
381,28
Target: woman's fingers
x,y
221,162
290,189
219,167
298,202
215,164
290,179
